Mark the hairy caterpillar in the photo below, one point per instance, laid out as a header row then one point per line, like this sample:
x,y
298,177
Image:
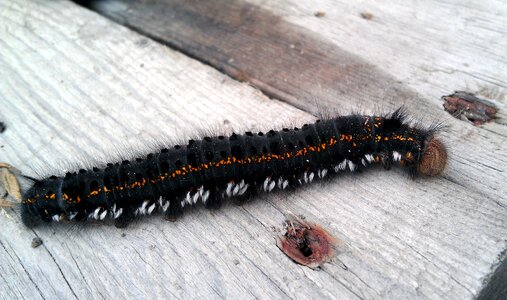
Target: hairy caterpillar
x,y
209,170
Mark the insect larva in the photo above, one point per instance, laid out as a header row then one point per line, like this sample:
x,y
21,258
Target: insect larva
x,y
209,170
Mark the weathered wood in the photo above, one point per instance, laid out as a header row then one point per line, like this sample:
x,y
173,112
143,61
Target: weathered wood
x,y
254,45
78,88
237,36
496,286
434,47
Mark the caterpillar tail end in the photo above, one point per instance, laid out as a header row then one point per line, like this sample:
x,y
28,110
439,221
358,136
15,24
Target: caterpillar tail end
x,y
434,158
29,219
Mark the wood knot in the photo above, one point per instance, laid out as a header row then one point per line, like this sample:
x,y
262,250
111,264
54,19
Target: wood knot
x,y
307,243
434,158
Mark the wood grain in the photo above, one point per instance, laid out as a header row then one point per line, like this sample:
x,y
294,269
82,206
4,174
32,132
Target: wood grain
x,y
237,37
458,47
79,89
434,47
254,45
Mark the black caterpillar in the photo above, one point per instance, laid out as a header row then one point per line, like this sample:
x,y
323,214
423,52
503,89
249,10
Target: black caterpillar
x,y
215,168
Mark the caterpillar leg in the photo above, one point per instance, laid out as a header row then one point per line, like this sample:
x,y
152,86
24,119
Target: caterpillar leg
x,y
175,209
123,216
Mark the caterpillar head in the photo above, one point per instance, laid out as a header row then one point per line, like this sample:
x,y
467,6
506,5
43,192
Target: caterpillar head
x,y
434,158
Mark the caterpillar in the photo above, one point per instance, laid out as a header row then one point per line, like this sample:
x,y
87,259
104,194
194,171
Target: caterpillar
x,y
240,165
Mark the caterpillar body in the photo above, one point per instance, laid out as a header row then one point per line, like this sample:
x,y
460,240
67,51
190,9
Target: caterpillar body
x,y
209,170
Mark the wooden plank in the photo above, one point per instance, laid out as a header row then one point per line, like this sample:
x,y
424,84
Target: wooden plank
x,y
433,53
436,238
77,88
221,33
237,37
496,286
315,53
434,47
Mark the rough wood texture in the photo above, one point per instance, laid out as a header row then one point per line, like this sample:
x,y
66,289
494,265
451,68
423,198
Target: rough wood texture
x,y
237,37
78,88
434,47
240,38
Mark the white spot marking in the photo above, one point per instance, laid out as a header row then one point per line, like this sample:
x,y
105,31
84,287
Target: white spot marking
x,y
266,183
242,184
285,184
396,156
72,215
56,218
280,182
142,209
151,208
96,213
195,198
369,158
118,213
205,197
352,166
243,189
188,199
272,185
228,191
103,214
310,178
165,206
235,190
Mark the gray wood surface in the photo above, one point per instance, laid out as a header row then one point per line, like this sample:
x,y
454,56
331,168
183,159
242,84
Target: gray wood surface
x,y
78,89
401,48
236,37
